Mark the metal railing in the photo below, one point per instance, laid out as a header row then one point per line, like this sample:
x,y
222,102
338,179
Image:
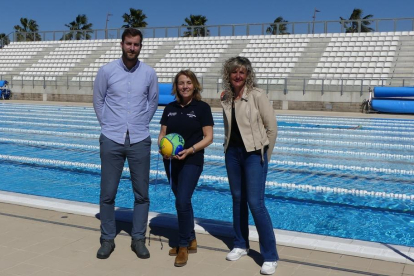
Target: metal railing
x,y
307,27
213,83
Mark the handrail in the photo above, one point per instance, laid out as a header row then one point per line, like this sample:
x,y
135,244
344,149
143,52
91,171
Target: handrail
x,y
282,84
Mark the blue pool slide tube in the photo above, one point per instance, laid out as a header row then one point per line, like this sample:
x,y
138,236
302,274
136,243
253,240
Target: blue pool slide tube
x,y
386,92
394,105
165,96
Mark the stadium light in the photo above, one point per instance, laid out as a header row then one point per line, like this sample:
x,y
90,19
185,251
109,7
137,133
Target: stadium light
x,y
106,24
314,17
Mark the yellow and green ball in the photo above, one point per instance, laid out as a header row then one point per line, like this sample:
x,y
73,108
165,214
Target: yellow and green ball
x,y
171,144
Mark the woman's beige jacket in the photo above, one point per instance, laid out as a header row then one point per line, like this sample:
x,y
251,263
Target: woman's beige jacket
x,y
255,118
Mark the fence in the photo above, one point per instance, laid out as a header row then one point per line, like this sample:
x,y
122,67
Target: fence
x,y
213,83
308,27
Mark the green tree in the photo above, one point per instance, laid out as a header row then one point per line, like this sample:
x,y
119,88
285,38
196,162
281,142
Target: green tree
x,y
4,40
135,19
279,28
196,26
28,31
78,29
356,17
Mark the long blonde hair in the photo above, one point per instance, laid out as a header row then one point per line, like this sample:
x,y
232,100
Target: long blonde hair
x,y
228,67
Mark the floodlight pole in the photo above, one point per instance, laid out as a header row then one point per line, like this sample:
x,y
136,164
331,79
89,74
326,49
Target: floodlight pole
x,y
314,17
106,24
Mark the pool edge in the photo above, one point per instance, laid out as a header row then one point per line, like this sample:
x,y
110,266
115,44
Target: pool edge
x,y
358,248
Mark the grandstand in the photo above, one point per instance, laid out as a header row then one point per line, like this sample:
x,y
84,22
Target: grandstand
x,y
329,71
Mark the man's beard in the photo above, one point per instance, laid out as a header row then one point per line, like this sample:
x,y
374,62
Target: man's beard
x,y
125,55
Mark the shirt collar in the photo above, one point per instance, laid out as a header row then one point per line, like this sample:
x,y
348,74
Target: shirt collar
x,y
193,102
121,62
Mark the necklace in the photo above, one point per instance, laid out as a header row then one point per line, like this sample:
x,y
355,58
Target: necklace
x,y
182,105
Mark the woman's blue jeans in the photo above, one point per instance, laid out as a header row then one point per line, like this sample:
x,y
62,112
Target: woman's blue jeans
x,y
247,177
184,182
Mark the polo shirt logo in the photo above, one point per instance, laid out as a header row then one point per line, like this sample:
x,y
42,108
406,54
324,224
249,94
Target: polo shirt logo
x,y
172,114
191,114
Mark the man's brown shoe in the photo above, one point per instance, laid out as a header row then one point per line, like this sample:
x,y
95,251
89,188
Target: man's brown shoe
x,y
192,248
182,257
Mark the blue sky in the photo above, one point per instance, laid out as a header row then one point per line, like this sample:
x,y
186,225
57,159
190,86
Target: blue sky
x,y
53,15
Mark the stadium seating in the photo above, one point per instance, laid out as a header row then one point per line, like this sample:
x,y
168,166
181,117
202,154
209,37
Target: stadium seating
x,y
329,59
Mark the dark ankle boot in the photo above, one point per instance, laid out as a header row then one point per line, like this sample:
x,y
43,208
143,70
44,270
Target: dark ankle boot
x,y
182,257
107,247
138,246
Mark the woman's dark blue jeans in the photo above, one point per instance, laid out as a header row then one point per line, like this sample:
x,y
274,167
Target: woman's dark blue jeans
x,y
247,177
184,182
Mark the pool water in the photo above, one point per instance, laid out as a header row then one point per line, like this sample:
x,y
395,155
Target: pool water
x,y
342,177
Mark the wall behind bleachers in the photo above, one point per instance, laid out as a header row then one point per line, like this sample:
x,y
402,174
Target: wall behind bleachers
x,y
311,72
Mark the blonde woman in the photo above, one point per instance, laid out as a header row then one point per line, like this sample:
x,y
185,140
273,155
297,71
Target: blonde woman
x,y
250,135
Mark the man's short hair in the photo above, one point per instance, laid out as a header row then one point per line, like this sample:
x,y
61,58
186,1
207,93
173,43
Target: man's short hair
x,y
131,32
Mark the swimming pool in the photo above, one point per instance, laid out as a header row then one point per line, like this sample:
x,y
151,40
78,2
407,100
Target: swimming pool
x,y
343,177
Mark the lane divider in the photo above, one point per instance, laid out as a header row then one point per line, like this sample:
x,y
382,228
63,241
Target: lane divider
x,y
345,143
48,107
221,129
60,115
303,164
51,125
220,145
367,122
291,186
342,167
347,135
275,150
50,119
349,128
63,112
47,132
218,135
49,144
294,119
340,152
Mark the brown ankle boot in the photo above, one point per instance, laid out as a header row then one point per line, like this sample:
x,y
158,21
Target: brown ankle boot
x,y
182,257
192,248
173,251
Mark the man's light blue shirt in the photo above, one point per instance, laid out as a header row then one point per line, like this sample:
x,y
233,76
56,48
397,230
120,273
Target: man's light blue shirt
x,y
125,100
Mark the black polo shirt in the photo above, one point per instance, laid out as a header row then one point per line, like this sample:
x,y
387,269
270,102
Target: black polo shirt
x,y
188,121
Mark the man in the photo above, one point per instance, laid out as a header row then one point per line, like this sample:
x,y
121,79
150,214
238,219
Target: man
x,y
125,98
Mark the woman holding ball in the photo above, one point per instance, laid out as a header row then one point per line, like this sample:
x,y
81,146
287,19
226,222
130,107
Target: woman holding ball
x,y
191,118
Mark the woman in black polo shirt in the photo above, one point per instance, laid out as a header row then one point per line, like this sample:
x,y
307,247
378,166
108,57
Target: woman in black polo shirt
x,y
192,119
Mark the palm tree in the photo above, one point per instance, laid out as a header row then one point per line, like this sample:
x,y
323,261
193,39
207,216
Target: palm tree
x,y
356,17
279,28
4,40
135,19
192,22
28,31
78,29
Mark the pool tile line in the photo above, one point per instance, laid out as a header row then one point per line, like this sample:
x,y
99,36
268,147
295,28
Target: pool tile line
x,y
358,248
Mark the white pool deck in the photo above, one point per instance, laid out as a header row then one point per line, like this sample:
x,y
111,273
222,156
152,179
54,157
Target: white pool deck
x,y
298,251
